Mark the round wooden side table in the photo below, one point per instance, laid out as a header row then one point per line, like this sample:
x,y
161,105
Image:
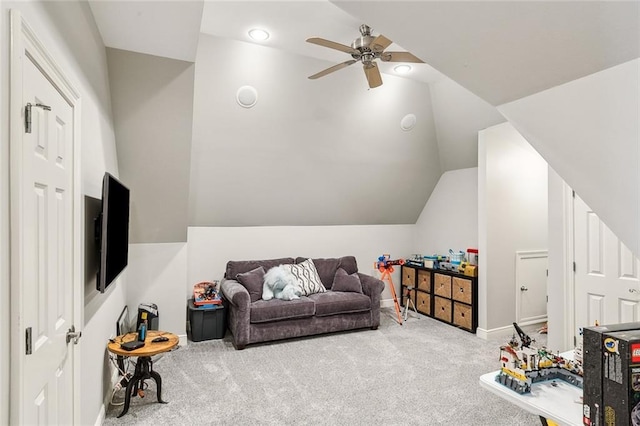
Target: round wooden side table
x,y
144,365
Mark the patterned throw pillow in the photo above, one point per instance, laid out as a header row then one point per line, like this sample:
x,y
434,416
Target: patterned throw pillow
x,y
307,277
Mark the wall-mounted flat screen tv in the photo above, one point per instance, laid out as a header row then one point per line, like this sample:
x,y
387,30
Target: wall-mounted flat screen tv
x,y
112,231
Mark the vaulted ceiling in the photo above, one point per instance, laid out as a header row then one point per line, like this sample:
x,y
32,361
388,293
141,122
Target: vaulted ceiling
x,y
170,29
480,57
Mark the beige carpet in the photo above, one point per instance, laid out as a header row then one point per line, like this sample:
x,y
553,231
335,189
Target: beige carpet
x,y
422,373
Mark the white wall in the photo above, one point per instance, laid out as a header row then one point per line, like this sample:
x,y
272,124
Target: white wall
x,y
558,310
459,115
157,274
449,219
211,247
68,32
588,131
310,152
512,216
4,219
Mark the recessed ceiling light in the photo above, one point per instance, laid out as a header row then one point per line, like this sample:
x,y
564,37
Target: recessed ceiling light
x,y
258,34
402,69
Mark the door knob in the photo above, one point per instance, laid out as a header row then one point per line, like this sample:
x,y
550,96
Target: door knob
x,y
523,288
634,290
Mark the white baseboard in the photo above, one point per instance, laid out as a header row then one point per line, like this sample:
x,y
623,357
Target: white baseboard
x,y
107,398
386,303
101,416
507,331
183,340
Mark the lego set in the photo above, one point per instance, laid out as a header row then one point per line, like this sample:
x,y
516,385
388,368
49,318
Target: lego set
x,y
521,365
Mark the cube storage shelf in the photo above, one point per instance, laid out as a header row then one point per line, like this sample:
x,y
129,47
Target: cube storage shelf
x,y
447,296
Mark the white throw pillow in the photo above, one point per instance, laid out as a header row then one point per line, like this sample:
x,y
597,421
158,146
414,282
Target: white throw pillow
x,y
307,277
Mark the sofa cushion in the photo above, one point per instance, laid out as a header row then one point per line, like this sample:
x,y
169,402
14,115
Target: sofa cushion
x,y
327,267
276,309
235,267
345,282
338,302
252,281
307,277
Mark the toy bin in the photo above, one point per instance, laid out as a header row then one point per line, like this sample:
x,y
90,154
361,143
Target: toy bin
x,y
207,322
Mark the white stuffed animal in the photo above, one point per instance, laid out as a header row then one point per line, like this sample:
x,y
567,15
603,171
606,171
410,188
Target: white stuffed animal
x,y
280,283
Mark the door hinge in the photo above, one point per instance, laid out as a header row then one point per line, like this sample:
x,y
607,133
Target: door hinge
x,y
28,341
575,342
574,266
573,193
27,115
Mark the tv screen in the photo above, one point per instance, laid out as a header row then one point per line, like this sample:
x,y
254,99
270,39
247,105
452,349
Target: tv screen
x,y
113,231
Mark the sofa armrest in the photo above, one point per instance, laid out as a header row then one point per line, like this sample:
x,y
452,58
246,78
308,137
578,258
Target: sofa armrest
x,y
236,294
239,311
372,287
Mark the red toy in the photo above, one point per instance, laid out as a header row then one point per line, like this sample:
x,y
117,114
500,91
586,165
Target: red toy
x,y
385,265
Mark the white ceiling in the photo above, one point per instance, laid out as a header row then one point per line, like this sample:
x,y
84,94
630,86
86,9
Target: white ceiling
x,y
160,28
479,53
291,23
506,50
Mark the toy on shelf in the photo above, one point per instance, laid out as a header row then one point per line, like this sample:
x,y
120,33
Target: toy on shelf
x,y
205,293
456,257
521,365
385,265
415,260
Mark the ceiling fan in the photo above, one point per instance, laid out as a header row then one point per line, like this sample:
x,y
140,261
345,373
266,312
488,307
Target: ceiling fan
x,y
365,49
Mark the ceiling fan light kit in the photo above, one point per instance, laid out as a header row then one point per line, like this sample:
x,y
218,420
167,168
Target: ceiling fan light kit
x,y
365,49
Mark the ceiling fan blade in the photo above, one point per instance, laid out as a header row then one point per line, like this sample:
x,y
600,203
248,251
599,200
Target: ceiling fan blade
x,y
373,75
332,69
332,45
379,43
400,57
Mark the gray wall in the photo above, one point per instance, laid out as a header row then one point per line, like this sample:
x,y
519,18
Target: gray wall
x,y
310,152
152,101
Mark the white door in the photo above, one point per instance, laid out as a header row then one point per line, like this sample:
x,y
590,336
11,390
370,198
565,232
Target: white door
x,y
607,289
531,286
43,242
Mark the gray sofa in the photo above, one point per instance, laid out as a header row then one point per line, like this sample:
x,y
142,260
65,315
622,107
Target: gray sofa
x,y
253,320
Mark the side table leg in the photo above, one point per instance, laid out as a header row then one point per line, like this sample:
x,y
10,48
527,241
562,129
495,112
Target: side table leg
x,y
127,398
155,376
133,384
